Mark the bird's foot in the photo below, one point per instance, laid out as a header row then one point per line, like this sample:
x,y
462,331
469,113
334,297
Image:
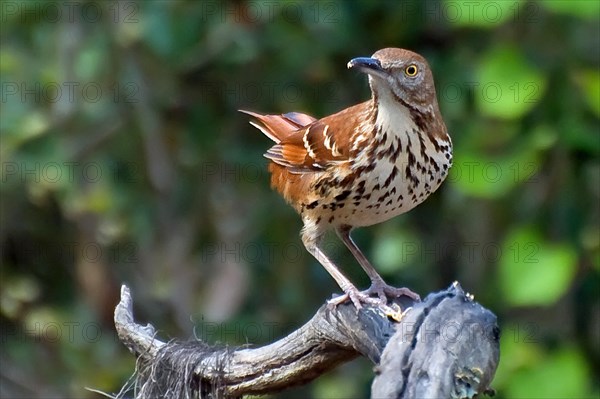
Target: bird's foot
x,y
377,295
357,297
385,291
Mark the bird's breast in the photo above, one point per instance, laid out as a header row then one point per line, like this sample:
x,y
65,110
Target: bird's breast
x,y
390,177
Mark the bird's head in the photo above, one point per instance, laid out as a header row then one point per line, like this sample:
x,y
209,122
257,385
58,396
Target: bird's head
x,y
399,75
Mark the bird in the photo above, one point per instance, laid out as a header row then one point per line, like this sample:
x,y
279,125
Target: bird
x,y
362,165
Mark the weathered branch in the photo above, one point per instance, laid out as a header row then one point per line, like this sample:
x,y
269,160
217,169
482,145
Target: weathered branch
x,y
445,346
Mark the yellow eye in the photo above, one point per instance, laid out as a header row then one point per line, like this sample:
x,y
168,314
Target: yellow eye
x,y
411,70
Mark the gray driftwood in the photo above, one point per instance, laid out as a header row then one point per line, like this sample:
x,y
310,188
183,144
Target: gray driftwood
x,y
444,347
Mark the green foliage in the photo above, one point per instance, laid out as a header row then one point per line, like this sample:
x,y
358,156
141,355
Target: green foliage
x,y
510,87
492,177
534,373
395,250
589,82
124,159
480,14
581,9
535,272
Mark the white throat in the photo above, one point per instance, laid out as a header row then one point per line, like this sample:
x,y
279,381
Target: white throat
x,y
393,117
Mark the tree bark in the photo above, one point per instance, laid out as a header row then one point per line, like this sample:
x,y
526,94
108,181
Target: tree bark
x,y
445,346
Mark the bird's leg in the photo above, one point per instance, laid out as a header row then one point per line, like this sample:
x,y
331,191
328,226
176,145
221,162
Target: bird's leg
x,y
350,291
378,286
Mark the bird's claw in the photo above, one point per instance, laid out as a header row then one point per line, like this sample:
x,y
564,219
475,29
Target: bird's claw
x,y
382,292
385,291
356,297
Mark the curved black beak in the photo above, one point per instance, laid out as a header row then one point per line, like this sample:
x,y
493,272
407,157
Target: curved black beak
x,y
364,63
368,65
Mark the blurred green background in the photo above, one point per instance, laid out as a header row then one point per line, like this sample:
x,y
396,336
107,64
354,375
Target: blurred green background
x,y
124,159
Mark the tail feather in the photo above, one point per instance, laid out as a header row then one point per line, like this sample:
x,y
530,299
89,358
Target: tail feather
x,y
278,127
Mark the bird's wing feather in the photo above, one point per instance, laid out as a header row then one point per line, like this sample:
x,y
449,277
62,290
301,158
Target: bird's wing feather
x,y
312,148
304,144
278,127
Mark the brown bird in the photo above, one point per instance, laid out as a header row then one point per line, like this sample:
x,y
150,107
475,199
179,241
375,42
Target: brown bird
x,y
363,165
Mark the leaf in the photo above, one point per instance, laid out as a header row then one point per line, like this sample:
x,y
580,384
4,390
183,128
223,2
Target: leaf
x,y
589,83
158,27
534,272
477,13
89,63
543,137
577,134
17,292
486,177
508,86
10,61
585,9
395,250
517,343
562,374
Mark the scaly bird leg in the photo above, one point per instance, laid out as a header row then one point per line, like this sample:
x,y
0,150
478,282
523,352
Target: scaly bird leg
x,y
350,291
378,286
